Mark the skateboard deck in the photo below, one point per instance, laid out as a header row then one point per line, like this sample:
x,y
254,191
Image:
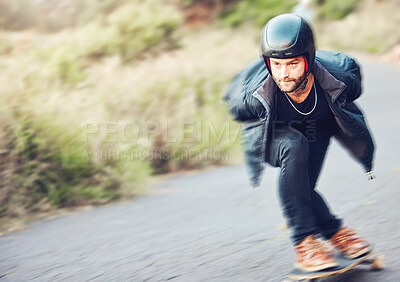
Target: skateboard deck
x,y
345,264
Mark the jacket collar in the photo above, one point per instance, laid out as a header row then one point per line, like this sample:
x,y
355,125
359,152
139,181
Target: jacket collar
x,y
328,82
268,89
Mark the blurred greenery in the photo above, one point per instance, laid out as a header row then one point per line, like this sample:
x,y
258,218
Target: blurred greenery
x,y
140,28
336,9
54,15
66,66
356,31
256,11
197,120
55,85
45,164
131,32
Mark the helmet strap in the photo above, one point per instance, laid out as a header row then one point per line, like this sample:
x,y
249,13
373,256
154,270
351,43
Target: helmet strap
x,y
303,85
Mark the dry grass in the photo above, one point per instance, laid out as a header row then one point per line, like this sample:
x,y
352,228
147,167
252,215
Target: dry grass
x,y
373,28
174,98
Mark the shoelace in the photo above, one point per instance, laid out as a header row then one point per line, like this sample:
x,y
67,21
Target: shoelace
x,y
345,236
314,247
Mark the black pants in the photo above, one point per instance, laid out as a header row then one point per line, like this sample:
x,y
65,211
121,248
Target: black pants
x,y
300,163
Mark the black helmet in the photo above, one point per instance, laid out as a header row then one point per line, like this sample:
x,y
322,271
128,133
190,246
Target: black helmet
x,y
288,36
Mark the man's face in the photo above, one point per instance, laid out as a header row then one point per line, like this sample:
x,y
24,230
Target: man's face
x,y
288,74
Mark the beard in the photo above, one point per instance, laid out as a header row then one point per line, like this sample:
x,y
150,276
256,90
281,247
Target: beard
x,y
290,85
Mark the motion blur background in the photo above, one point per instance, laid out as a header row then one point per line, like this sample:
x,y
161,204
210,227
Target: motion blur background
x,y
99,97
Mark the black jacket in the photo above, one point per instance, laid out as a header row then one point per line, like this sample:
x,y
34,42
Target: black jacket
x,y
251,100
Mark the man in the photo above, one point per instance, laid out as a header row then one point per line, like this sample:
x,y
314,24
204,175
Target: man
x,y
292,101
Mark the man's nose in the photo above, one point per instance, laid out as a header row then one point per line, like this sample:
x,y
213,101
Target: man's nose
x,y
284,73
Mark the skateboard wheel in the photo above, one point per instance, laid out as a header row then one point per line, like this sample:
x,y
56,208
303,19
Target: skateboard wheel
x,y
378,263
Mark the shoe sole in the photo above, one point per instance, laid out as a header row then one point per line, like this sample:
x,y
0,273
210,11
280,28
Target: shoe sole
x,y
316,268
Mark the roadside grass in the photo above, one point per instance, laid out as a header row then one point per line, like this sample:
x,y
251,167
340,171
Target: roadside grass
x,y
52,16
336,9
177,111
47,102
372,28
99,140
45,161
134,31
256,11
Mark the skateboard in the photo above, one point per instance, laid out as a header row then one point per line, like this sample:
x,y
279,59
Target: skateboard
x,y
375,263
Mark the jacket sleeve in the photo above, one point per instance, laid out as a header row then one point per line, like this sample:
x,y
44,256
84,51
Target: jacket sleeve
x,y
355,81
242,105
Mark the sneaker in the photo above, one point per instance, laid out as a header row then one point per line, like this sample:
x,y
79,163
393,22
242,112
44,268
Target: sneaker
x,y
313,256
349,243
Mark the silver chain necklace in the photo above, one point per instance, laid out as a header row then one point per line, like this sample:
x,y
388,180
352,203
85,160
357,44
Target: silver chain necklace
x,y
315,104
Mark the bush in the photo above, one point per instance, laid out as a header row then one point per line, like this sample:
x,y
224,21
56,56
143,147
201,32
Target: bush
x,y
358,33
257,11
193,128
45,161
67,66
45,164
132,32
51,16
336,9
141,28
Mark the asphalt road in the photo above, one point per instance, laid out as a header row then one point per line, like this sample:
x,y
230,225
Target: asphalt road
x,y
211,226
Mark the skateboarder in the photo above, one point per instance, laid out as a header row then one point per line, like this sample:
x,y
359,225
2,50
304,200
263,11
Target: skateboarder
x,y
292,101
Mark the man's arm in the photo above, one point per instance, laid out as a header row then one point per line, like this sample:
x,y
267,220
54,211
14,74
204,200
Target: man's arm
x,y
355,79
242,105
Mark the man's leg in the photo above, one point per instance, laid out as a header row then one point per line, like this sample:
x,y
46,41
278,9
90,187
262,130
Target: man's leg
x,y
345,239
327,223
289,150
